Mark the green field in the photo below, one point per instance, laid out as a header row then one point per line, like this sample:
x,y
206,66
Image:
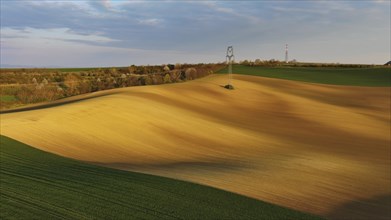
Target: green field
x,y
8,98
40,185
378,76
74,69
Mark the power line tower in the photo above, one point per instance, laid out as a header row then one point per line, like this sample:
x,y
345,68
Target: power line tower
x,y
286,53
229,59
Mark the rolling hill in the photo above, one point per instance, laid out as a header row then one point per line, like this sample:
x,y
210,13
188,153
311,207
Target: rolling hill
x,y
322,149
40,185
372,76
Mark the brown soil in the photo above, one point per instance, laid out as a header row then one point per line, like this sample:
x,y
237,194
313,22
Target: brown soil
x,y
316,148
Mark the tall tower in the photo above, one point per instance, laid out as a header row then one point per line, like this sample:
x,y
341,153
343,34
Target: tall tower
x,y
286,53
229,58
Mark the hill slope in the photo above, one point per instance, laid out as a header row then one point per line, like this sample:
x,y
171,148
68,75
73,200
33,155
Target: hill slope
x,y
39,185
316,148
379,76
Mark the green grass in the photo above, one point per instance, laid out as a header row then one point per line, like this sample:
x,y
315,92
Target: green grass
x,y
75,69
379,76
8,98
40,185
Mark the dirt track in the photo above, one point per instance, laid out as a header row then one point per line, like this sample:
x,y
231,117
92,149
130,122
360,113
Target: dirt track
x,y
317,148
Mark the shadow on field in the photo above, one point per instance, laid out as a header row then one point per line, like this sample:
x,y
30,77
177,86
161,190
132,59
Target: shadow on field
x,y
378,207
196,165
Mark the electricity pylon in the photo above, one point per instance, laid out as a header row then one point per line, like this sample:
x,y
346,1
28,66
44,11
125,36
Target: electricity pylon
x,y
229,58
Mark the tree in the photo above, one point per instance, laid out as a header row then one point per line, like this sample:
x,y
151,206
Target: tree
x,y
121,81
175,75
157,79
71,83
166,68
132,69
191,73
148,80
167,78
133,81
245,62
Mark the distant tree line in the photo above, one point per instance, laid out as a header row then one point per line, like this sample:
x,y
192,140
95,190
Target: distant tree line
x,y
295,63
40,85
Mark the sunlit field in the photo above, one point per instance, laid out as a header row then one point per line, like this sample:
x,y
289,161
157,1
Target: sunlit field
x,y
316,148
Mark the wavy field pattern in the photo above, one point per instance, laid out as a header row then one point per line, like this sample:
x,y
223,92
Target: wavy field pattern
x,y
311,147
40,185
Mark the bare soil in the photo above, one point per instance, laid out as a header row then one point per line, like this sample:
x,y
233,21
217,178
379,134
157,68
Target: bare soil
x,y
322,149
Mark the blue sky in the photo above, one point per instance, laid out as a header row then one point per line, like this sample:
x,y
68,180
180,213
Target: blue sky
x,y
120,33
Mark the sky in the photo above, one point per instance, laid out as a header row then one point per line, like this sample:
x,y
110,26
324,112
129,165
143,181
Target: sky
x,y
97,33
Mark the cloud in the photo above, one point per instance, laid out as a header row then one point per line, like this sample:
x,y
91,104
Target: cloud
x,y
60,34
257,29
382,1
150,21
51,52
232,11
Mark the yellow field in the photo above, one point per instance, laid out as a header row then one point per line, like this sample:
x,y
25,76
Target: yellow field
x,y
318,148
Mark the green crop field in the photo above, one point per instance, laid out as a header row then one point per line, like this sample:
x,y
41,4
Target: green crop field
x,y
40,185
379,76
7,98
74,69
